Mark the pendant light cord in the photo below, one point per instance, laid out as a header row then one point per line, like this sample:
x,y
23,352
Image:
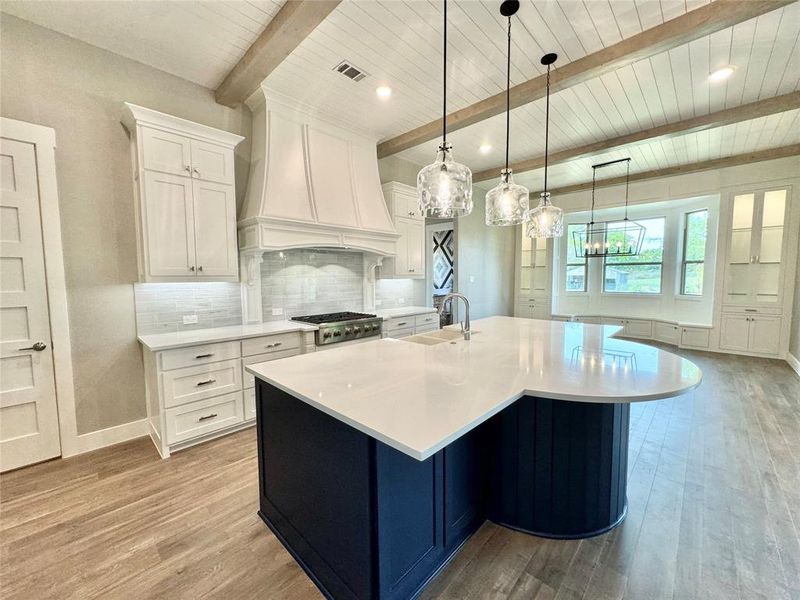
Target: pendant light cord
x,y
546,127
444,80
627,183
508,92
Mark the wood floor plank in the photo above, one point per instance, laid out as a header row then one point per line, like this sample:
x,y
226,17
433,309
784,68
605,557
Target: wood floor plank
x,y
713,513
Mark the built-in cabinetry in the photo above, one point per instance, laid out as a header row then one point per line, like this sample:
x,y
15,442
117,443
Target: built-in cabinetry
x,y
185,198
399,327
533,279
697,337
199,392
409,222
760,267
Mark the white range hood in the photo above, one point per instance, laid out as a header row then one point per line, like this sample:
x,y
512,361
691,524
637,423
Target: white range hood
x,y
313,184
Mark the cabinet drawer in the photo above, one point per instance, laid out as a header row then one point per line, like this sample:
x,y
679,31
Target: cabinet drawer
x,y
638,328
400,333
249,380
271,343
694,337
667,332
198,355
426,320
200,418
398,323
749,310
250,404
204,381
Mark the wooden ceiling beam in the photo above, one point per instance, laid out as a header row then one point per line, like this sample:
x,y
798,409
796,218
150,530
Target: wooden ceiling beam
x,y
717,163
729,116
291,25
693,25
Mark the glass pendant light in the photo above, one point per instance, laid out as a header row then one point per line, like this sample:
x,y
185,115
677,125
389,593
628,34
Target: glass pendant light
x,y
546,220
445,187
507,202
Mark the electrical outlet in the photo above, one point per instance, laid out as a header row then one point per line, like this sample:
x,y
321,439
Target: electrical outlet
x,y
401,300
472,278
277,311
189,319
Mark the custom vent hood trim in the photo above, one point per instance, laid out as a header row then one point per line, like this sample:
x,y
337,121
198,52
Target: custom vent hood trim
x,y
312,184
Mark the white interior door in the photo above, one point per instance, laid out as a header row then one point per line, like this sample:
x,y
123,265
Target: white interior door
x,y
28,409
215,229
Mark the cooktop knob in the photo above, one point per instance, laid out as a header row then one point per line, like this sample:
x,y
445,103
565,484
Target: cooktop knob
x,y
347,331
356,330
326,335
337,333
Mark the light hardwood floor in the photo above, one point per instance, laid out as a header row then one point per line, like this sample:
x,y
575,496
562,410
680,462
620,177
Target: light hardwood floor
x,y
714,510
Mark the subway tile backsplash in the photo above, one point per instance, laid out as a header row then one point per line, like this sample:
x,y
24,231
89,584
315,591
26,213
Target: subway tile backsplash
x,y
160,307
310,281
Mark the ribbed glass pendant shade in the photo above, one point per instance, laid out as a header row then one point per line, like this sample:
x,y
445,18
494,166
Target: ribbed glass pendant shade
x,y
546,220
445,187
507,202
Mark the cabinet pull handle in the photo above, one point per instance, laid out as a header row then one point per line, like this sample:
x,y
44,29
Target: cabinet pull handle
x,y
275,345
207,417
206,382
187,168
196,172
750,310
38,347
191,269
209,355
200,268
401,324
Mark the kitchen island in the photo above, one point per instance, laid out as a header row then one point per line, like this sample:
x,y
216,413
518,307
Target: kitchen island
x,y
377,461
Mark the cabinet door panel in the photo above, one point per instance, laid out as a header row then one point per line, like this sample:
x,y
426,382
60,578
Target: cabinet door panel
x,y
735,332
215,229
765,334
416,247
166,152
401,260
211,162
168,218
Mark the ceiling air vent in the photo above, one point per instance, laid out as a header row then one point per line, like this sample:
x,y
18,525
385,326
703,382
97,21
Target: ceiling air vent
x,y
349,70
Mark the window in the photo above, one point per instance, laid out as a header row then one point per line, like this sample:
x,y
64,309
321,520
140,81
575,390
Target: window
x,y
640,274
695,228
577,269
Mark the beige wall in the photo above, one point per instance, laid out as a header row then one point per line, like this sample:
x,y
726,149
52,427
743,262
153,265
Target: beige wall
x,y
485,262
393,168
78,90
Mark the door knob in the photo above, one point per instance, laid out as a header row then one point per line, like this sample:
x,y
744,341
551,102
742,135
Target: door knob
x,y
38,346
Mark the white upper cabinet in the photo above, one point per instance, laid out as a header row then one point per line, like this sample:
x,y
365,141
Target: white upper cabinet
x,y
185,198
757,248
211,162
166,152
409,263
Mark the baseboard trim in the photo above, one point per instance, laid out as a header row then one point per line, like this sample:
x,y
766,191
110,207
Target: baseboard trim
x,y
108,437
793,362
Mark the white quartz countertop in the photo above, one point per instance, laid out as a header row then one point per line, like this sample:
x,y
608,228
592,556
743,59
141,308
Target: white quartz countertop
x,y
403,311
418,398
167,341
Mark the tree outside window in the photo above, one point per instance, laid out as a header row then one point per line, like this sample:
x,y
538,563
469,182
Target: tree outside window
x,y
639,274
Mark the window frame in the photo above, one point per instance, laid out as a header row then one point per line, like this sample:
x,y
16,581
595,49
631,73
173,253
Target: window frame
x,y
684,262
660,264
568,264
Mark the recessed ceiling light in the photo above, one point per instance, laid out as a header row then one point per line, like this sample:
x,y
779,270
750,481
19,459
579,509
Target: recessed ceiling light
x,y
721,74
383,92
485,148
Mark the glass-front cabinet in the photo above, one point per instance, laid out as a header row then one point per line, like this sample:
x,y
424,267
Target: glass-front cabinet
x,y
756,255
533,298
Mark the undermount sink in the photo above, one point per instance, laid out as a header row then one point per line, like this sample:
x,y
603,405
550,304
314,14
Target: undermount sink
x,y
439,336
425,340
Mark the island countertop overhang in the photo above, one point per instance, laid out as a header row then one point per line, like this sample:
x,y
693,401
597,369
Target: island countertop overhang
x,y
418,399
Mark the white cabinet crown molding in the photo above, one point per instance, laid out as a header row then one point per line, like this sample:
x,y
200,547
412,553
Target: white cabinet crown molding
x,y
140,115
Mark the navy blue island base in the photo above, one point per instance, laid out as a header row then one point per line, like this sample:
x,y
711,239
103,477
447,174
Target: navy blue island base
x,y
366,521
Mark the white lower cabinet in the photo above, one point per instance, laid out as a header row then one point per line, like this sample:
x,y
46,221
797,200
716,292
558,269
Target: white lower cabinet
x,y
759,334
201,392
695,337
200,418
669,333
400,327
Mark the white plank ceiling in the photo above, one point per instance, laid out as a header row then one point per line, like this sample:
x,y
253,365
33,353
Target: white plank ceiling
x,y
398,43
196,40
